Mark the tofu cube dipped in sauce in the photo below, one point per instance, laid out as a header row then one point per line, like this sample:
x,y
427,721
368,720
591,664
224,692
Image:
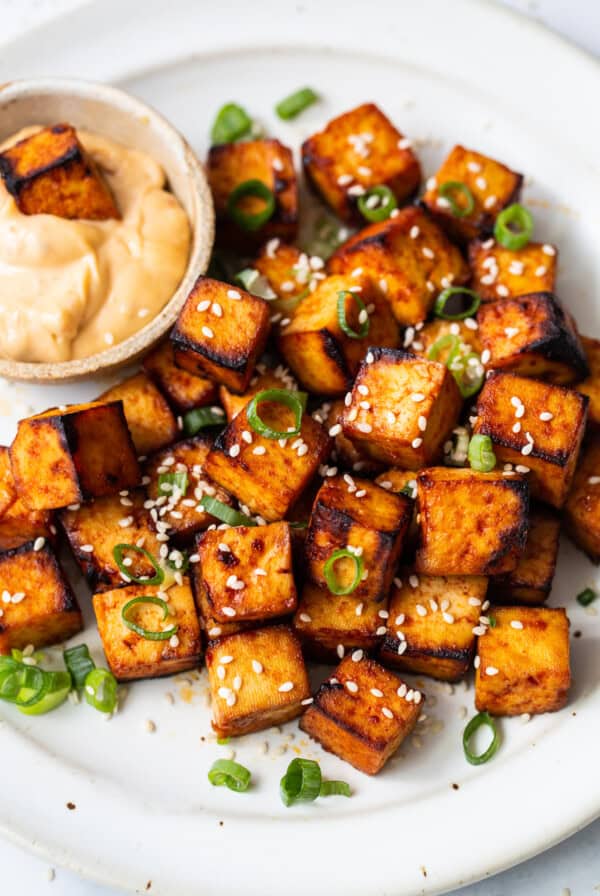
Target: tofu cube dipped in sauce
x,y
150,420
501,273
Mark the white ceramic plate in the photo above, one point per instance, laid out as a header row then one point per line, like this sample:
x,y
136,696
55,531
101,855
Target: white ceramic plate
x,y
467,72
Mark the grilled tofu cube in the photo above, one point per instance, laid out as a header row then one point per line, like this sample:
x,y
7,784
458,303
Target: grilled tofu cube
x,y
150,419
430,629
93,530
65,456
523,662
422,342
182,389
357,515
591,384
409,257
268,161
328,625
264,378
257,679
470,524
531,580
131,656
354,152
208,624
534,425
492,185
49,173
37,606
346,453
362,713
533,336
321,354
245,572
500,273
289,272
220,332
267,475
582,509
402,408
18,523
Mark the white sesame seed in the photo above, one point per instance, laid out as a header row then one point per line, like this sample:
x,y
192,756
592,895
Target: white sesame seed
x,y
416,443
485,356
547,249
352,687
516,623
527,449
364,427
358,609
174,641
335,430
357,656
414,232
541,270
402,646
229,611
594,480
421,610
380,631
427,252
491,670
221,672
521,468
285,687
422,423
387,712
206,331
477,662
546,415
233,293
234,451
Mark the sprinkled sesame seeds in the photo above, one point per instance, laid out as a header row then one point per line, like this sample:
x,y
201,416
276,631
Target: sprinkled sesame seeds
x,y
516,623
546,415
477,662
174,641
206,331
416,443
233,293
351,686
229,611
387,712
421,610
285,687
234,451
547,249
491,670
485,356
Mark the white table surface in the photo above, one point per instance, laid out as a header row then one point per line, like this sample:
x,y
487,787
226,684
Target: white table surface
x,y
570,869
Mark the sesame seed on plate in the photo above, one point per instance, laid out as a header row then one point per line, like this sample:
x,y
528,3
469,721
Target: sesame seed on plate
x,y
381,630
257,667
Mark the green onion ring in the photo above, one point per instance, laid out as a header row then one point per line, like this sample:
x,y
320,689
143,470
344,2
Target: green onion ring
x,y
504,229
335,788
482,718
225,513
341,315
442,301
457,186
231,123
301,782
329,572
100,689
296,103
380,212
481,454
258,189
467,382
447,341
119,550
56,691
586,597
230,774
295,401
177,479
144,632
79,663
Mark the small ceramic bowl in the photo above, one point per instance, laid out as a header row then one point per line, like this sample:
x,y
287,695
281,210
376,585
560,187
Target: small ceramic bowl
x,y
114,114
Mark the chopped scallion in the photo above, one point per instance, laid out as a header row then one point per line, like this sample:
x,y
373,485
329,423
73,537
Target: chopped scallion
x,y
226,772
296,103
482,718
231,123
514,227
251,221
330,575
202,418
586,597
481,454
363,315
295,401
127,612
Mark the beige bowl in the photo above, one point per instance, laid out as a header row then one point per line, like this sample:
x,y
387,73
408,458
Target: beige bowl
x,y
113,113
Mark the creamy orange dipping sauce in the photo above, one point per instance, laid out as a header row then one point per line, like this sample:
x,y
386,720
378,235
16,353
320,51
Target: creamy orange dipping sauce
x,y
69,289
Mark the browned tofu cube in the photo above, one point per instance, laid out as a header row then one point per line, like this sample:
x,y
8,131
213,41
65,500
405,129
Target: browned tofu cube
x,y
130,655
470,524
432,624
257,679
591,384
409,257
531,580
183,390
500,273
402,408
328,625
264,378
37,605
321,354
18,523
267,161
49,173
582,509
523,662
346,453
220,333
422,342
150,419
356,515
536,426
492,186
532,335
362,713
68,455
354,152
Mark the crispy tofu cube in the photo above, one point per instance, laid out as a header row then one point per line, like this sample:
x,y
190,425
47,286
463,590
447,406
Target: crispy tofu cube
x,y
591,384
493,187
288,271
150,419
93,530
18,523
362,713
346,453
278,378
358,515
131,656
409,257
267,475
431,622
324,359
208,624
220,333
582,509
182,389
421,342
272,163
531,580
402,408
534,425
500,273
37,606
532,335
470,524
49,173
354,152
65,456
523,662
328,625
257,679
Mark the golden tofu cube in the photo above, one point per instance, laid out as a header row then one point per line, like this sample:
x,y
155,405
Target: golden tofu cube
x,y
288,272
523,662
183,390
65,456
37,605
18,523
590,386
362,713
131,656
430,629
534,425
49,173
531,580
257,679
532,335
357,515
150,419
423,340
220,333
409,257
264,378
492,185
328,625
354,152
500,273
582,508
470,524
402,408
348,454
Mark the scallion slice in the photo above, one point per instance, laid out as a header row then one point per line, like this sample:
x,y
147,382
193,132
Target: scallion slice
x,y
468,372
586,597
449,191
79,663
363,315
126,613
56,690
450,342
256,283
482,718
301,782
514,227
226,772
296,103
120,549
168,482
202,418
335,788
225,513
251,221
481,454
295,401
231,123
380,211
457,455
439,309
330,576
100,689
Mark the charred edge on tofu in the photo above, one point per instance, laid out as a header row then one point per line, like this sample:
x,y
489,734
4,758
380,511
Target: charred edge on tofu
x,y
332,350
460,655
71,435
14,184
232,361
378,743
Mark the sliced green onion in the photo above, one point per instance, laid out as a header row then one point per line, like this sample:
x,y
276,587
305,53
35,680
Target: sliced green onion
x,y
231,123
514,227
223,740
459,449
246,220
345,327
168,482
225,513
482,718
118,552
202,418
448,341
439,309
586,597
21,684
451,187
481,454
295,401
100,690
335,788
329,572
468,372
381,210
409,490
144,632
296,103
230,774
56,691
301,782
79,663
256,283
